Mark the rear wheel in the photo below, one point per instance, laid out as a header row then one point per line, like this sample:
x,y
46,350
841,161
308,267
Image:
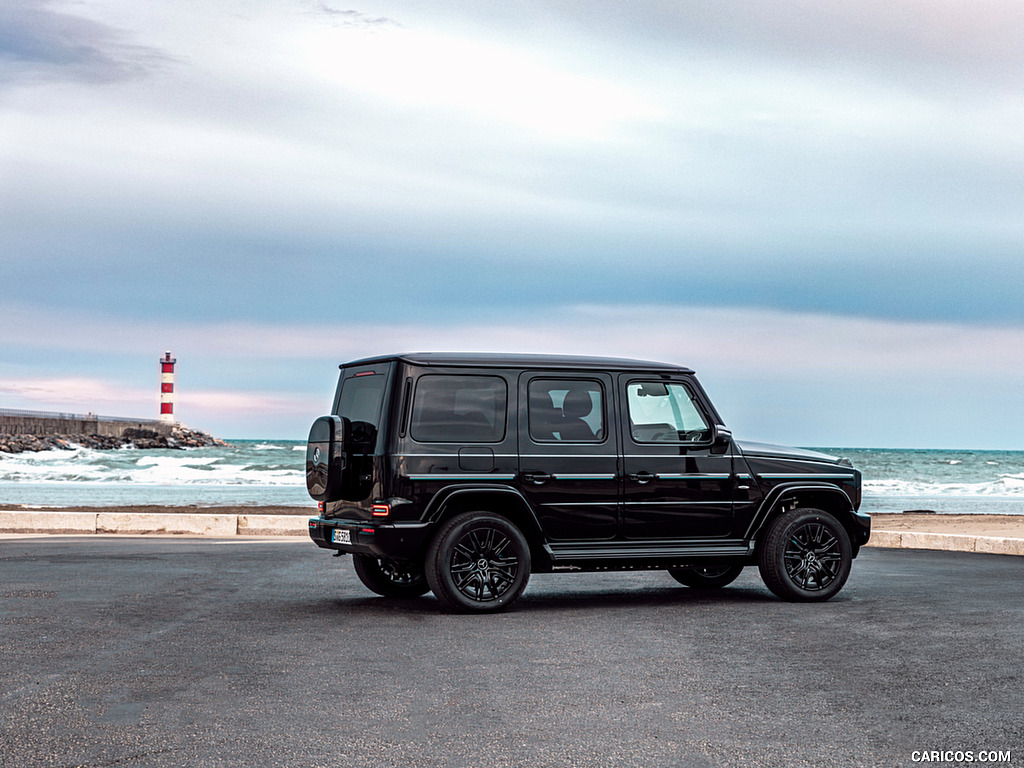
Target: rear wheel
x,y
478,562
706,576
388,578
805,556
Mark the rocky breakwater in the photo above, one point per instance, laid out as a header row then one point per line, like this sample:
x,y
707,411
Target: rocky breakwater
x,y
179,439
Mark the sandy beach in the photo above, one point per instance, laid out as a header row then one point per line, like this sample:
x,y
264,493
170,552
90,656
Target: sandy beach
x,y
1010,526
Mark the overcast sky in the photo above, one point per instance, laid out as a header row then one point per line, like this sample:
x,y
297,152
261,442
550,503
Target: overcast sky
x,y
818,204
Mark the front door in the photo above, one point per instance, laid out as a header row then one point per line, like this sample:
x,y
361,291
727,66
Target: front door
x,y
676,486
568,455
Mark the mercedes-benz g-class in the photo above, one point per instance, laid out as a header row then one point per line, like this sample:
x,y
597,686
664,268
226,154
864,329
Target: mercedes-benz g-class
x,y
465,473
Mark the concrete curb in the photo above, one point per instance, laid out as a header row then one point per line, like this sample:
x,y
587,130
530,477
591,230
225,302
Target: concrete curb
x,y
47,522
273,525
949,542
77,523
151,523
142,523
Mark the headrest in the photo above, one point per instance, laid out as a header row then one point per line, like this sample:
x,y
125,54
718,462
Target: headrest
x,y
577,404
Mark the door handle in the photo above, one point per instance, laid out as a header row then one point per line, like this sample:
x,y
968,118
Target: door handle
x,y
537,478
641,477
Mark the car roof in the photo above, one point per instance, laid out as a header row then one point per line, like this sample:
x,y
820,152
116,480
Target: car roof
x,y
501,360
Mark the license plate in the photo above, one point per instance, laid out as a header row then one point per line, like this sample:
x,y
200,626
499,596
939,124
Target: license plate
x,y
341,536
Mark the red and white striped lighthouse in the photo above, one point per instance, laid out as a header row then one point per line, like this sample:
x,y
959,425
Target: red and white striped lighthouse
x,y
167,388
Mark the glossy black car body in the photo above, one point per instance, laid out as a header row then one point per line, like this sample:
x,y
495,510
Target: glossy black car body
x,y
598,463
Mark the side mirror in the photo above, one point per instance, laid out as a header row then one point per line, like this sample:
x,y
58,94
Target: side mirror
x,y
325,458
721,438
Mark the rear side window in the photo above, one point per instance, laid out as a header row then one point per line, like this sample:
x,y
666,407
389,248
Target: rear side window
x,y
566,411
459,409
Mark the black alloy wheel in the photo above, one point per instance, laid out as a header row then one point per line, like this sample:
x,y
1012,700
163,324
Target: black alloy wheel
x,y
706,576
478,562
390,579
805,556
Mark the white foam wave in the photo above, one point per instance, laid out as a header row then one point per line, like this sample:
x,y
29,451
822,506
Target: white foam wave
x,y
1005,485
83,465
280,465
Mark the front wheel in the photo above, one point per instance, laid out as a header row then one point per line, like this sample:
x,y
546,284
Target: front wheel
x,y
706,576
478,562
805,556
389,579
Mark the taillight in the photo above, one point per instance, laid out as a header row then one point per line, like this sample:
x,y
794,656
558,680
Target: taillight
x,y
320,507
380,510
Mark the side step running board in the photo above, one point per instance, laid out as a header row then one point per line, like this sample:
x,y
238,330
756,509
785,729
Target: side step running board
x,y
560,553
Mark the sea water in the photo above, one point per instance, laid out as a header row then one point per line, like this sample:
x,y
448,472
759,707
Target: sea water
x,y
945,481
247,472
271,472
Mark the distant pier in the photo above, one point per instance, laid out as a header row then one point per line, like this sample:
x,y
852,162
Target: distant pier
x,y
42,431
40,423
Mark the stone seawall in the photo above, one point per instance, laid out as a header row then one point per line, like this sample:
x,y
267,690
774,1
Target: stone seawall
x,y
73,424
21,431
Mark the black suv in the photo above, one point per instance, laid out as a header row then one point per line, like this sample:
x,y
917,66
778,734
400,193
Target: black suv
x,y
464,473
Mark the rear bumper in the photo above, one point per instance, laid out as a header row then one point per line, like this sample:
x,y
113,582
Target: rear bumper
x,y
389,541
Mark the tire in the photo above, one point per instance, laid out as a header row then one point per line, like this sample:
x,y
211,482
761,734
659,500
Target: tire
x,y
706,576
805,556
389,579
478,562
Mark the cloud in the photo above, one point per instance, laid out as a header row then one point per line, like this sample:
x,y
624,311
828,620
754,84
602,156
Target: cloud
x,y
715,337
738,186
802,378
232,404
353,19
107,397
737,174
78,391
915,42
38,42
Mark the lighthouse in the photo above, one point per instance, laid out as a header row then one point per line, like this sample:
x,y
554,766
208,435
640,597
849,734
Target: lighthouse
x,y
167,388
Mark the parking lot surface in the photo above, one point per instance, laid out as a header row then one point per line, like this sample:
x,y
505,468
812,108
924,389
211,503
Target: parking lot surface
x,y
179,652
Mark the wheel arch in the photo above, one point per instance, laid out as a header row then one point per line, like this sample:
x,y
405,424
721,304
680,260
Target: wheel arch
x,y
827,498
504,501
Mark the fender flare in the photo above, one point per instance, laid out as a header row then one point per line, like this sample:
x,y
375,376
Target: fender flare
x,y
435,510
781,493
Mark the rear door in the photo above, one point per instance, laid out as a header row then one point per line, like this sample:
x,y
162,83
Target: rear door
x,y
675,485
568,454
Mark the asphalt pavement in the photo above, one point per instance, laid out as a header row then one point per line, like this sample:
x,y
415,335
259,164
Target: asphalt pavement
x,y
208,652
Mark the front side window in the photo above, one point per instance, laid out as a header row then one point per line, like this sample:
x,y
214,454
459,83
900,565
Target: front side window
x,y
569,411
661,412
459,409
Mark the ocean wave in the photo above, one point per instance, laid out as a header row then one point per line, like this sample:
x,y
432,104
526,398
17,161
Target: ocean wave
x,y
1005,485
213,466
280,467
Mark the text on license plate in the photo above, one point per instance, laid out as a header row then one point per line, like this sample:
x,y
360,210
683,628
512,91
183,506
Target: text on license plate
x,y
341,536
